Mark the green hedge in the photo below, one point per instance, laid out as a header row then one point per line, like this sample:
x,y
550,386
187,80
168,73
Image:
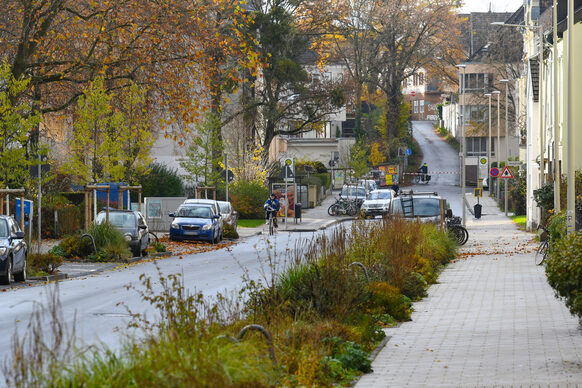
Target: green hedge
x,y
248,199
564,271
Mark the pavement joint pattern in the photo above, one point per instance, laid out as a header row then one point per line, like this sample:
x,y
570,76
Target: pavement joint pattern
x,y
491,321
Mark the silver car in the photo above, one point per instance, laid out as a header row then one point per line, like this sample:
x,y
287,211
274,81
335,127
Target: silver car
x,y
228,214
378,202
13,251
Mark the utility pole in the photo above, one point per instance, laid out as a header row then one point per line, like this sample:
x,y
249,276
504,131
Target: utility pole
x,y
506,82
557,174
488,95
571,193
462,151
498,150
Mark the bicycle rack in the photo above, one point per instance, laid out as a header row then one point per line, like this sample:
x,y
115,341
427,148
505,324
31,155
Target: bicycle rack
x,y
260,329
92,240
363,269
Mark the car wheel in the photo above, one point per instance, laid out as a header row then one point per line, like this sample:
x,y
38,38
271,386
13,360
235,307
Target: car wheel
x,y
7,279
21,276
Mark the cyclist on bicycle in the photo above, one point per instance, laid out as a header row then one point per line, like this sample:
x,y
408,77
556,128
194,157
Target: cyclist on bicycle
x,y
424,171
272,207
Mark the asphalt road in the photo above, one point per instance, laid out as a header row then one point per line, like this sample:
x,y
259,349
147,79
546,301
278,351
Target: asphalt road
x,y
443,165
97,302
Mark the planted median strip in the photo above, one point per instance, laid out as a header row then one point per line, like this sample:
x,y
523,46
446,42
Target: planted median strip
x,y
322,312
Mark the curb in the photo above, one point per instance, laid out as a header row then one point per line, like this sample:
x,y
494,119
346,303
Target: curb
x,y
322,227
50,278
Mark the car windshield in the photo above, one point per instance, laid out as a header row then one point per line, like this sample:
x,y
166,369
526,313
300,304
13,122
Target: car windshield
x,y
380,195
194,212
360,191
120,220
3,228
427,207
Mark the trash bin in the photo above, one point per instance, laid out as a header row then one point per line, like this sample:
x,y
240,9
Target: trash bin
x,y
477,209
298,212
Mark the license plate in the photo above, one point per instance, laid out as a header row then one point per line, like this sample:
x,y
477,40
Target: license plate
x,y
191,232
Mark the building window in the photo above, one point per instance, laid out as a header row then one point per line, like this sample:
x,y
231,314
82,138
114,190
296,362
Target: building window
x,y
474,113
415,106
478,82
421,106
477,146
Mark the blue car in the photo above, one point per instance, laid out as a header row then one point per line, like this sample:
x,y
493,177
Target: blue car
x,y
196,222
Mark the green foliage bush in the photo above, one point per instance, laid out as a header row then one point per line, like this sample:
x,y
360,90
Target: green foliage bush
x,y
229,231
71,246
161,181
159,247
349,354
385,298
564,271
414,286
248,198
518,193
43,262
313,166
110,241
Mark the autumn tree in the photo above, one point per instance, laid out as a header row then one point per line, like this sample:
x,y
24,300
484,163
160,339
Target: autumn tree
x,y
286,99
168,46
202,162
383,42
109,143
16,121
376,156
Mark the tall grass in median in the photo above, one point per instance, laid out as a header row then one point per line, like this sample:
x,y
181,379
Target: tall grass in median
x,y
323,314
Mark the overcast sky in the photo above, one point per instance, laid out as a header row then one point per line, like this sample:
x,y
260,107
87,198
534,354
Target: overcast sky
x,y
496,5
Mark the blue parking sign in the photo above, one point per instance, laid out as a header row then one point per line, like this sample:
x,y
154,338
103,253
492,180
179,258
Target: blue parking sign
x,y
28,209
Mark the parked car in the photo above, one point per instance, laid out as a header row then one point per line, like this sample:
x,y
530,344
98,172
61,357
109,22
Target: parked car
x,y
202,201
196,222
378,202
354,193
369,184
425,206
13,251
228,214
132,225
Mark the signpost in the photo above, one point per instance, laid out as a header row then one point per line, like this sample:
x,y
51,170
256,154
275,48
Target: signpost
x,y
506,173
288,166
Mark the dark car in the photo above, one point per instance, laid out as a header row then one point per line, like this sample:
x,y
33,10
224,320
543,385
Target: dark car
x,y
132,225
196,222
13,251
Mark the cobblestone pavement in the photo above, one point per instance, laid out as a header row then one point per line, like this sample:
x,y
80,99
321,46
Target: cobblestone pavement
x,y
491,321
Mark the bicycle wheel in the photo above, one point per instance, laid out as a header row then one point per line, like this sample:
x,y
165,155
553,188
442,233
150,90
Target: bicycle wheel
x,y
271,227
542,252
352,210
417,179
457,234
466,233
332,210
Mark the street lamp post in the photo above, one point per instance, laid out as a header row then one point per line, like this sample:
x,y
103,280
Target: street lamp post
x,y
462,150
506,82
498,149
571,190
557,174
489,141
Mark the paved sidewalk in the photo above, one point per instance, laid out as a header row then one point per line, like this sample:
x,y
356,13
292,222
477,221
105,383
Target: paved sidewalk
x,y
491,321
312,219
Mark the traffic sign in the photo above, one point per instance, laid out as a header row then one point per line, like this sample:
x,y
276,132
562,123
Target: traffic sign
x,y
483,160
478,192
413,93
408,152
506,173
494,172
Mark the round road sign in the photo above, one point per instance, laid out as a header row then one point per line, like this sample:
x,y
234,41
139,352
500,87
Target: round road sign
x,y
494,172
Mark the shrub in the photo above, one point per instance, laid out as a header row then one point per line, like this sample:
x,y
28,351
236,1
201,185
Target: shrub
x,y
229,231
70,246
385,298
349,354
159,247
518,193
564,271
248,198
414,286
110,241
44,262
161,181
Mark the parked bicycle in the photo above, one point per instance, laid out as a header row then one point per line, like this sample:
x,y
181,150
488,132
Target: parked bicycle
x,y
456,230
343,207
544,247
